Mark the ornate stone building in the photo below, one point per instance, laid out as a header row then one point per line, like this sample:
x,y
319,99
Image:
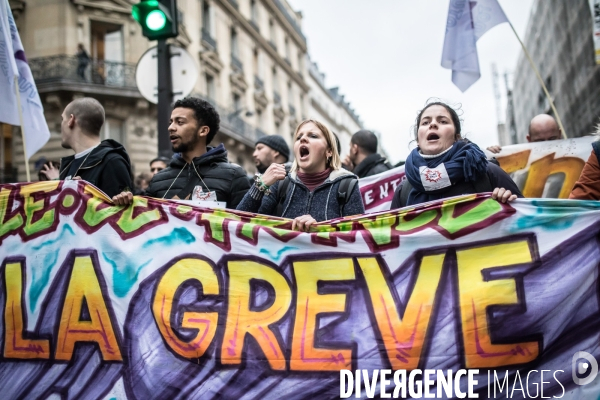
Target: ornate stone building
x,y
250,53
329,106
560,39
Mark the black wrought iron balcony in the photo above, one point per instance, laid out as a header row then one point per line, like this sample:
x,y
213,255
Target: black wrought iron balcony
x,y
276,98
64,68
208,40
292,110
258,83
234,3
236,64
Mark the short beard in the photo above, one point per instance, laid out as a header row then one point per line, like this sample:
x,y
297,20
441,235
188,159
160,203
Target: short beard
x,y
261,168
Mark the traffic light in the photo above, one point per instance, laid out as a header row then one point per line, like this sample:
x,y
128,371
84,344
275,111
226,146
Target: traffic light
x,y
158,18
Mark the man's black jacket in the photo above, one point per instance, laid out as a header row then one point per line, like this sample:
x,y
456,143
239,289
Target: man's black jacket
x,y
229,181
107,167
372,165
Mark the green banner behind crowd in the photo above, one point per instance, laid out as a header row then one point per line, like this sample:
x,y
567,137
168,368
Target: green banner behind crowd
x,y
164,300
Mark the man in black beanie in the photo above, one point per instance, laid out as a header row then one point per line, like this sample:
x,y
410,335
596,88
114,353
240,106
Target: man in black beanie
x,y
268,150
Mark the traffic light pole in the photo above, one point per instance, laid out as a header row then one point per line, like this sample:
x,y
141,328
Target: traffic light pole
x,y
165,98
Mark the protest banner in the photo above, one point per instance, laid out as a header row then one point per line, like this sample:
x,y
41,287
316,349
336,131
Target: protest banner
x,y
543,169
161,300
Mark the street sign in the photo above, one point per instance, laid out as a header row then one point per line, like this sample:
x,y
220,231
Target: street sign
x,y
184,74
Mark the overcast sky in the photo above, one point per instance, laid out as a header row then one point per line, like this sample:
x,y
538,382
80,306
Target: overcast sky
x,y
385,56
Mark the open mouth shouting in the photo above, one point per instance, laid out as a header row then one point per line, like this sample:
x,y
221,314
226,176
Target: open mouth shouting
x,y
304,153
432,136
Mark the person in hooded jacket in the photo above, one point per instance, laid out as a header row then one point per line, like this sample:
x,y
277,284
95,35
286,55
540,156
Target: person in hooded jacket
x,y
312,192
194,123
105,164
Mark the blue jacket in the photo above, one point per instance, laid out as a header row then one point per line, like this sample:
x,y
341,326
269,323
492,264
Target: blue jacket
x,y
321,204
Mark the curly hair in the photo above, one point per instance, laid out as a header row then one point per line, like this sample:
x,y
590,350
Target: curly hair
x,y
204,112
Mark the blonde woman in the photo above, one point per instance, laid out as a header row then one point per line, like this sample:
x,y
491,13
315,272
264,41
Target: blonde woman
x,y
317,188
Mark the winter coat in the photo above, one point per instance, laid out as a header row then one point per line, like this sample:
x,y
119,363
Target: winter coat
x,y
107,167
497,178
228,180
587,186
372,165
322,204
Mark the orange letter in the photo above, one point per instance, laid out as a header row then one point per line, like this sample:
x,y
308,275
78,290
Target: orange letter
x,y
305,356
15,345
241,320
403,338
476,295
84,286
206,323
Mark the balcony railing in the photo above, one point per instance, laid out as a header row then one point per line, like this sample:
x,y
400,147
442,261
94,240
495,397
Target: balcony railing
x,y
234,123
276,98
68,68
258,83
236,63
208,40
234,3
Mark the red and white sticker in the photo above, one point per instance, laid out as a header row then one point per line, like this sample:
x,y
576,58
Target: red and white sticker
x,y
434,178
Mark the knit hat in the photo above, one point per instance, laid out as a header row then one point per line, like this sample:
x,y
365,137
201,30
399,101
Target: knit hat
x,y
277,143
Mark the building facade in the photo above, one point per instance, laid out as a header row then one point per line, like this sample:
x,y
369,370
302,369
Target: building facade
x,y
560,39
329,106
250,56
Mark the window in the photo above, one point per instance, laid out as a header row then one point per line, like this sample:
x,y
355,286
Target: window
x,y
290,92
237,102
206,18
254,12
234,43
275,81
259,118
287,50
210,88
255,63
113,129
107,52
272,31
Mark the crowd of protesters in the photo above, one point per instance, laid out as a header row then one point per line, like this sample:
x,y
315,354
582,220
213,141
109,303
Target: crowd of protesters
x,y
317,186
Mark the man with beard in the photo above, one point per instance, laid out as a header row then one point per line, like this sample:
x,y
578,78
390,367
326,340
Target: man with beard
x,y
268,150
193,125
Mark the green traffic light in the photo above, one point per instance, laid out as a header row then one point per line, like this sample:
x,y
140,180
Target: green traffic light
x,y
156,20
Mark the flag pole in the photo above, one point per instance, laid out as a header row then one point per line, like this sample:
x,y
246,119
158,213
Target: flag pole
x,y
537,73
20,107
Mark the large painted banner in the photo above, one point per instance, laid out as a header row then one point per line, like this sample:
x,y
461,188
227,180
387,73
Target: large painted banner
x,y
543,169
162,300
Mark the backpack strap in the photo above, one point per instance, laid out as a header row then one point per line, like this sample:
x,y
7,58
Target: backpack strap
x,y
281,195
345,190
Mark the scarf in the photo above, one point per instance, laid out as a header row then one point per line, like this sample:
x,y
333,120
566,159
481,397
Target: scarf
x,y
432,176
311,181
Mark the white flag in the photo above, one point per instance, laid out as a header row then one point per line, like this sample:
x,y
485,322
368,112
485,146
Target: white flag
x,y
13,63
467,21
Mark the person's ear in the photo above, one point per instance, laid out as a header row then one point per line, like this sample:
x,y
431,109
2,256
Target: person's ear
x,y
353,148
203,131
528,138
71,122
